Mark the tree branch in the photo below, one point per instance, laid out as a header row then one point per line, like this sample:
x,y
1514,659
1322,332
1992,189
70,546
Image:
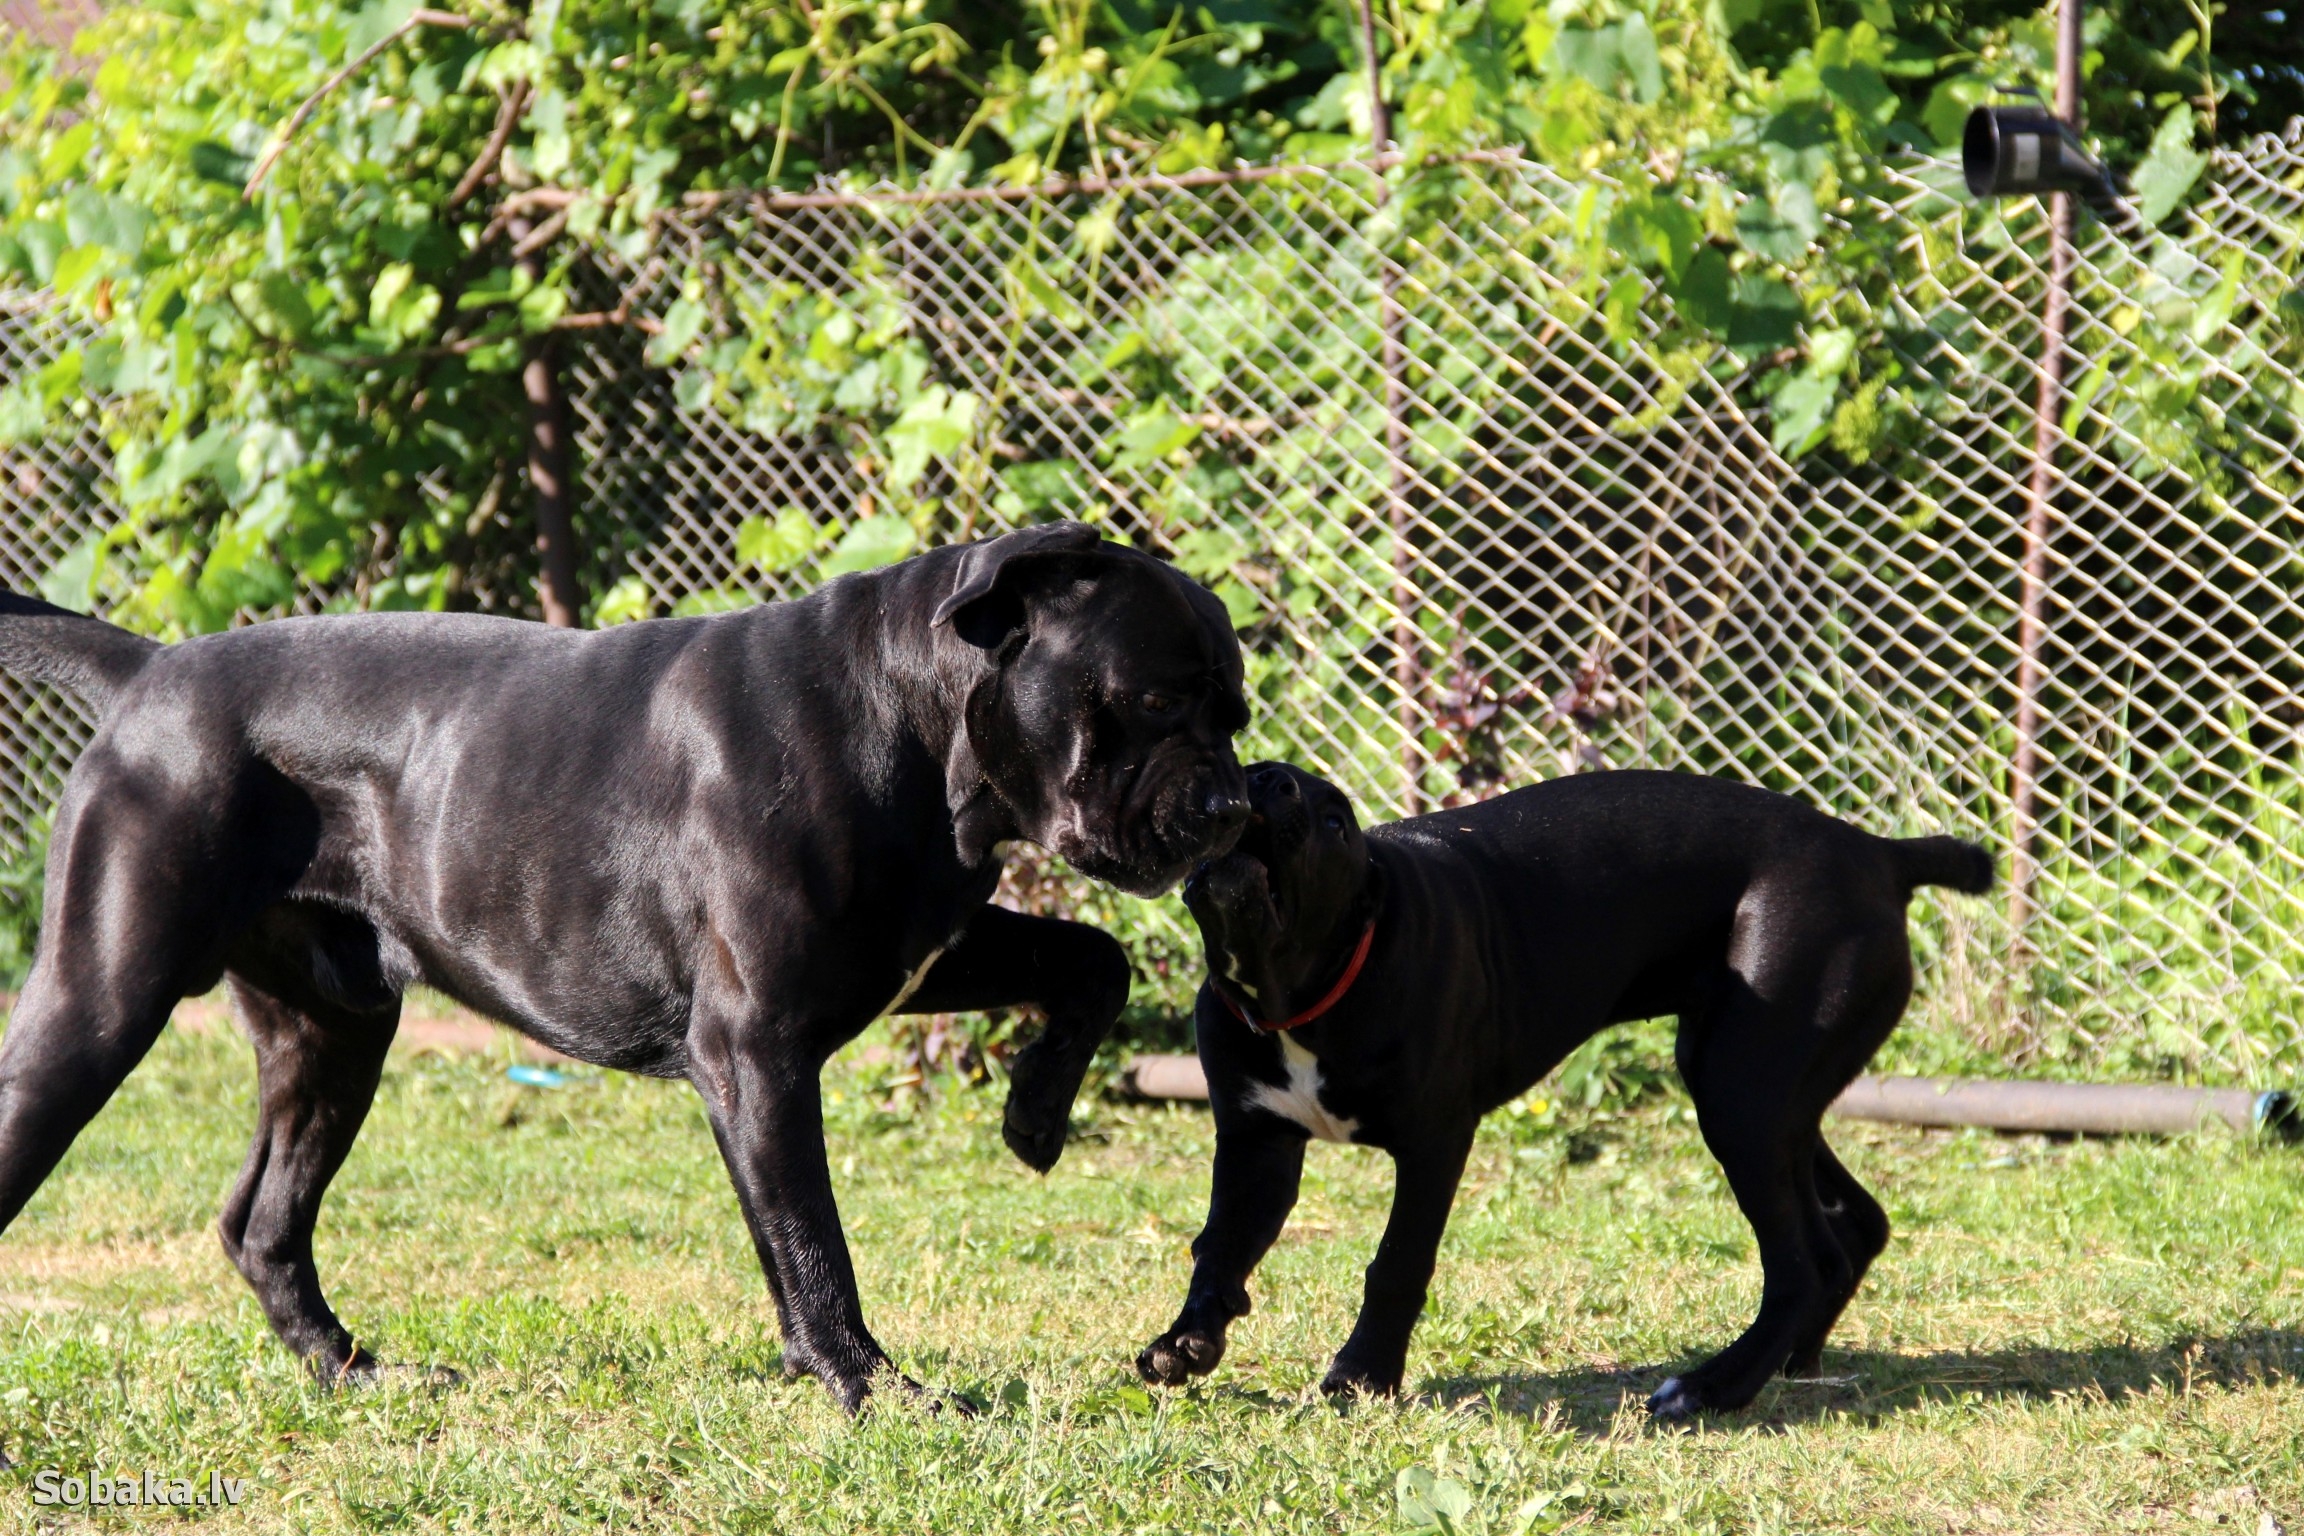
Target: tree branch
x,y
367,56
507,119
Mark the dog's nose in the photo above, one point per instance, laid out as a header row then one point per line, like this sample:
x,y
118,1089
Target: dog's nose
x,y
1227,810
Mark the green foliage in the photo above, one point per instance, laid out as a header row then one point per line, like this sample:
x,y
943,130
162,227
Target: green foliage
x,y
20,885
316,382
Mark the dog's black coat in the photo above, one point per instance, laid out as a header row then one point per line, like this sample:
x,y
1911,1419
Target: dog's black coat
x,y
1506,934
708,848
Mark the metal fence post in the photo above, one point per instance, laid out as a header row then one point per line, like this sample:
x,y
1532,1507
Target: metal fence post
x,y
1407,634
551,473
2047,432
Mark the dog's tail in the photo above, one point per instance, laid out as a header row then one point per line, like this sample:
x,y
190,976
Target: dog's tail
x,y
1946,861
85,657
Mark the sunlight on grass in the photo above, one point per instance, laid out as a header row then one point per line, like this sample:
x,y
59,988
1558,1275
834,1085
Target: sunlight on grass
x,y
2079,1336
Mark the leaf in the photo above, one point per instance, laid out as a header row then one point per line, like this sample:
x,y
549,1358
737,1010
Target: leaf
x,y
1764,314
2215,311
44,243
1801,413
1763,231
1594,54
1041,483
390,284
71,581
936,424
1040,294
91,218
1830,351
873,541
1150,436
1660,228
2084,395
1702,292
1638,45
682,322
1208,553
219,163
710,600
22,413
2168,169
1431,1503
623,603
781,545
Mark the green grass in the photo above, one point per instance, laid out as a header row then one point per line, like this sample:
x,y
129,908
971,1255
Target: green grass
x,y
2061,1337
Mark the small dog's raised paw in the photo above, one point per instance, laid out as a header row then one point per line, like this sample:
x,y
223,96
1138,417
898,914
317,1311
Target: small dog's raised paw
x,y
1175,1358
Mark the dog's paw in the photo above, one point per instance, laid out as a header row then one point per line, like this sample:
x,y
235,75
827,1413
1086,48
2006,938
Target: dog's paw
x,y
1346,1383
1036,1139
1175,1358
892,1383
1676,1402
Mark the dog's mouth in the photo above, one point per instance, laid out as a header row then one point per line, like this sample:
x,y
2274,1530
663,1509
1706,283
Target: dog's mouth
x,y
1237,888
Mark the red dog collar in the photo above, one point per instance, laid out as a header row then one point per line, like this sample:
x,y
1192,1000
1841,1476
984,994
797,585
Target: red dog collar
x,y
1335,993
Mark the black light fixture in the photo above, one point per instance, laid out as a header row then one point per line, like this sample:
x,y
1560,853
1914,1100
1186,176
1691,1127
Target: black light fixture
x,y
2030,151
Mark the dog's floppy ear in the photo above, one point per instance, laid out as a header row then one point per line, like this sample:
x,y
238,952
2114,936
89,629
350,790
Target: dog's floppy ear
x,y
983,608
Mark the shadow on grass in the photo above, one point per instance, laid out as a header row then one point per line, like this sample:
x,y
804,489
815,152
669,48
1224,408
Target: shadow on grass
x,y
1870,1384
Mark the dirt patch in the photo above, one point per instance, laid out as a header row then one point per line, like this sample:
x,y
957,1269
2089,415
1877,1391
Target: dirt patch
x,y
424,1026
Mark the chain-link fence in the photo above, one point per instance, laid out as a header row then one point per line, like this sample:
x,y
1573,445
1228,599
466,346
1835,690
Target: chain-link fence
x,y
1478,526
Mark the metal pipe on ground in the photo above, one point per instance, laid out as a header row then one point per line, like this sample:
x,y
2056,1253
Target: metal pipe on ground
x,y
2084,1109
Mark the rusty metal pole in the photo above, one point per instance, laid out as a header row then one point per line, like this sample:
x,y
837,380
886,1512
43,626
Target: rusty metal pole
x,y
1407,635
551,471
550,476
2039,522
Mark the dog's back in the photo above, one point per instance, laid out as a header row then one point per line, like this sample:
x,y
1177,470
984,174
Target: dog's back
x,y
1631,894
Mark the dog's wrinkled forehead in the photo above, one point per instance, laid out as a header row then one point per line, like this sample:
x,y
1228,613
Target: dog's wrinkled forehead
x,y
1169,630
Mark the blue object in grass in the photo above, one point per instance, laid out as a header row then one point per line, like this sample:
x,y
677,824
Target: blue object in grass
x,y
536,1077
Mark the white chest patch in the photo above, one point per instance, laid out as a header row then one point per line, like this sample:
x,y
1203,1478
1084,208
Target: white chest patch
x,y
912,983
1300,1100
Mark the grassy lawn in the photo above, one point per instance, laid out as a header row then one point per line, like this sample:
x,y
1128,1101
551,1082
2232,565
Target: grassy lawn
x,y
2061,1337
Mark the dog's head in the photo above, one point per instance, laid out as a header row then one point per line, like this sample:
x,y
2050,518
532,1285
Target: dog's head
x,y
1290,895
1102,717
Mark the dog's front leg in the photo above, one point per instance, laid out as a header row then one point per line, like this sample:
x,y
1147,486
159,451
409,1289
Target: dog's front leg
x,y
1374,1359
1076,974
1259,1162
766,1107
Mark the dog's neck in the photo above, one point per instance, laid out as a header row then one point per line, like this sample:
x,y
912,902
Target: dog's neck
x,y
926,721
1275,976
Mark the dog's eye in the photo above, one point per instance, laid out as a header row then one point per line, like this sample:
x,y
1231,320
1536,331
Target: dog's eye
x,y
1158,704
1335,823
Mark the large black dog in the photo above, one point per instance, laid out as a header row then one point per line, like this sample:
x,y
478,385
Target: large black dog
x,y
708,848
1392,988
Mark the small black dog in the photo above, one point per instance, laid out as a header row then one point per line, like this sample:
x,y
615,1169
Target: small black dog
x,y
1393,988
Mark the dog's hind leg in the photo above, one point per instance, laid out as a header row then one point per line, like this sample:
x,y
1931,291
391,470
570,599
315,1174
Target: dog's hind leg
x,y
126,931
65,1053
1763,1149
1794,1025
1076,974
1854,1221
316,1076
